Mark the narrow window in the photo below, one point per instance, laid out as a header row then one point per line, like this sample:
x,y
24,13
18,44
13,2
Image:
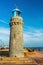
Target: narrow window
x,y
14,35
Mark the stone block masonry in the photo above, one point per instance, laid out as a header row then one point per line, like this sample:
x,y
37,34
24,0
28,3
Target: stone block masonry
x,y
16,37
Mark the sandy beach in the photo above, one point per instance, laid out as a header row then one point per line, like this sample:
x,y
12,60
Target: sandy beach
x,y
32,58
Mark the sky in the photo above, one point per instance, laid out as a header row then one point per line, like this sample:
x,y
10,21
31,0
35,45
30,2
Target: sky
x,y
32,14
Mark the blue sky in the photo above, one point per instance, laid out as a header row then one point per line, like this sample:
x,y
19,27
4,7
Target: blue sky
x,y
32,14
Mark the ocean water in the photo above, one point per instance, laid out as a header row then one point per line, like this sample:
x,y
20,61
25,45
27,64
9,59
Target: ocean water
x,y
35,48
40,48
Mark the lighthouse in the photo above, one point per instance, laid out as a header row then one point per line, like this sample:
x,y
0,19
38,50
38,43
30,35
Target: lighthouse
x,y
16,44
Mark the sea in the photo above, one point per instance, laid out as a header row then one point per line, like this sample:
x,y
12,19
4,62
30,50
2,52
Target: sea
x,y
39,48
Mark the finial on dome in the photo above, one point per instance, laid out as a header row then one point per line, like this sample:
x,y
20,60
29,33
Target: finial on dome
x,y
16,11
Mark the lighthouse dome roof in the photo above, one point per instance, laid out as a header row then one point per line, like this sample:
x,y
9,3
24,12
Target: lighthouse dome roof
x,y
16,10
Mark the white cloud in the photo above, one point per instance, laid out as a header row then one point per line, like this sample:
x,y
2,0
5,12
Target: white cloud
x,y
4,30
4,35
33,37
3,21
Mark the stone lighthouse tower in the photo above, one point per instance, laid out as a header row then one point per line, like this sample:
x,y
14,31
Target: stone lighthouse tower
x,y
16,35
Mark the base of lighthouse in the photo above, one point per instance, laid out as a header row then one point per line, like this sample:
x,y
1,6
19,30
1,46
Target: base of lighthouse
x,y
17,55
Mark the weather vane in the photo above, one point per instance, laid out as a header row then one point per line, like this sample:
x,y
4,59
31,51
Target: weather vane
x,y
16,5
